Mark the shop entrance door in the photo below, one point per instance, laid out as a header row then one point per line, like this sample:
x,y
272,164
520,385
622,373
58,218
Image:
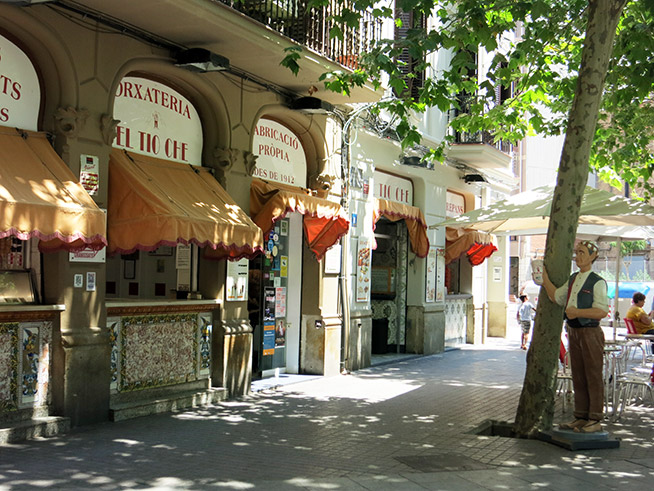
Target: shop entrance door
x,y
388,293
274,300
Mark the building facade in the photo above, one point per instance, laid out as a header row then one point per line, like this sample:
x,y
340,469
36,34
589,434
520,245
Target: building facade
x,y
235,220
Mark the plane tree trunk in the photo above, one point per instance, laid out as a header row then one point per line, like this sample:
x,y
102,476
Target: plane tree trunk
x,y
536,406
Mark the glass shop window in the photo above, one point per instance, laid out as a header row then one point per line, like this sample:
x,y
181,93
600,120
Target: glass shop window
x,y
19,271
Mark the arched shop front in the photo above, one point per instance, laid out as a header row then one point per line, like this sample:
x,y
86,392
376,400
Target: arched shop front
x,y
43,209
296,223
167,213
398,227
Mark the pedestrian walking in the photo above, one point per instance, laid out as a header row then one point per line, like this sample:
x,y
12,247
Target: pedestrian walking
x,y
525,315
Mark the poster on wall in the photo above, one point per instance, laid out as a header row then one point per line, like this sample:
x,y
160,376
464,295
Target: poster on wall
x,y
89,173
237,280
268,321
269,303
280,333
363,270
268,338
430,281
280,302
440,275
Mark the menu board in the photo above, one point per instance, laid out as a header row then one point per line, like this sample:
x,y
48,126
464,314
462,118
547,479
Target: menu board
x,y
430,280
363,270
440,275
237,280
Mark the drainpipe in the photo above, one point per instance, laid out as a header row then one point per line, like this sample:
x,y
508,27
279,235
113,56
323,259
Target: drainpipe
x,y
344,274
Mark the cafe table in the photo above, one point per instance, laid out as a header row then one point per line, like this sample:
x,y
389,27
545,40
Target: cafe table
x,y
638,338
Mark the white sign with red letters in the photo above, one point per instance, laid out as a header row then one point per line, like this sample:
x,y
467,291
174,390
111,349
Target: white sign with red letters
x,y
281,157
20,92
158,121
393,188
455,205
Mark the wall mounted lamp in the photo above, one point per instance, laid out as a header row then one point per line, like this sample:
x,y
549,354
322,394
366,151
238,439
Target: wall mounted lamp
x,y
311,105
468,178
201,60
413,160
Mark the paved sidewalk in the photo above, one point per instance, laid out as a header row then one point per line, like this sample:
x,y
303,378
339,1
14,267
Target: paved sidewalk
x,y
406,425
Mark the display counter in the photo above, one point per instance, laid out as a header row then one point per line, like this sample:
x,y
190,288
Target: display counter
x,y
160,343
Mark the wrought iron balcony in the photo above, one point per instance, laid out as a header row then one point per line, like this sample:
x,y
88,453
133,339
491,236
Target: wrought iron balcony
x,y
485,137
479,149
310,27
478,137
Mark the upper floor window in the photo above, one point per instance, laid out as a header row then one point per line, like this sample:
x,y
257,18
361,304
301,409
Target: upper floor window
x,y
503,91
411,68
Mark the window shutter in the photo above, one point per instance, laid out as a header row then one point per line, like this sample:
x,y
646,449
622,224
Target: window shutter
x,y
407,64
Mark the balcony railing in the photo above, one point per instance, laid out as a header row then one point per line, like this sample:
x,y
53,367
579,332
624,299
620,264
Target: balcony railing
x,y
485,137
310,27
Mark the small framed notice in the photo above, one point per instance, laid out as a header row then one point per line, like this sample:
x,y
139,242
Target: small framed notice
x,y
237,280
333,260
183,257
89,173
90,281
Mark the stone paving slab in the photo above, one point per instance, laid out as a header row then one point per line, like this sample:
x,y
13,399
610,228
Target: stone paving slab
x,y
404,425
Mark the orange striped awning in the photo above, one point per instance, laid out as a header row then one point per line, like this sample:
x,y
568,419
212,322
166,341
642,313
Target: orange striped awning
x,y
412,216
476,246
324,221
154,202
41,197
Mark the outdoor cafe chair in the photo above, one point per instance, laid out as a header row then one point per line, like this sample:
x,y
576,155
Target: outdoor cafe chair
x,y
632,385
636,344
564,378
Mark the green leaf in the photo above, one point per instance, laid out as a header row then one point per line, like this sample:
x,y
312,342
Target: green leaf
x,y
290,61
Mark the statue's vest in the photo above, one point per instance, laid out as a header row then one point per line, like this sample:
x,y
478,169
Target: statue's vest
x,y
584,300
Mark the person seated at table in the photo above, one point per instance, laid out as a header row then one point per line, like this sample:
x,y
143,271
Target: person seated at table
x,y
642,321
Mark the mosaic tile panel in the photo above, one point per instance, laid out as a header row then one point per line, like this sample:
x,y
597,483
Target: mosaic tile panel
x,y
8,366
25,364
158,350
113,326
456,322
204,331
386,309
30,346
400,299
44,371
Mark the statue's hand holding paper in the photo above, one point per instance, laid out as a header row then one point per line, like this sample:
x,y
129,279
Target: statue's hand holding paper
x,y
537,269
